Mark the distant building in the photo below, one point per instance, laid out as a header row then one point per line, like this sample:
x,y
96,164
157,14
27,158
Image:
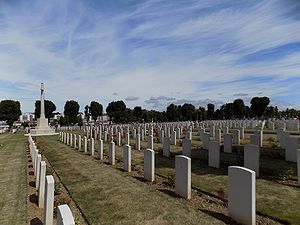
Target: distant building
x,y
57,115
103,119
27,117
3,127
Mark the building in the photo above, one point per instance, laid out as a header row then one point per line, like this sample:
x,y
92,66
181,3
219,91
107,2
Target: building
x,y
27,117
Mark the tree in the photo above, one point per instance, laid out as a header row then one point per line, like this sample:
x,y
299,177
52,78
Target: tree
x,y
10,111
210,110
188,112
138,112
87,112
201,113
49,108
172,113
79,121
96,109
239,108
259,105
116,111
71,111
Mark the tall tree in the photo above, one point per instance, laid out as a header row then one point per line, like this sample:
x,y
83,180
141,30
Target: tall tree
x,y
96,109
116,111
71,111
188,112
210,110
138,112
10,111
172,113
239,108
259,105
49,109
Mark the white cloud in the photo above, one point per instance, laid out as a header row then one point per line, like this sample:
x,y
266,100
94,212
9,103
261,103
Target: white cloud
x,y
155,52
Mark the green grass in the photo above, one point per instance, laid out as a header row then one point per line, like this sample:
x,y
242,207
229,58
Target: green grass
x,y
109,196
13,185
273,199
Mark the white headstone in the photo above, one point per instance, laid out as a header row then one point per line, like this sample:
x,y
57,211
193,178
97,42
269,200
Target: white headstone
x,y
214,154
149,164
49,201
241,195
127,158
183,176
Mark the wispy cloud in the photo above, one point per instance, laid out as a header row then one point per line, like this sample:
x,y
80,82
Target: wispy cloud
x,y
87,50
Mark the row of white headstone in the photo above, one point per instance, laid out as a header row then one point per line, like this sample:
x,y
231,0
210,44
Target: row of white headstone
x,y
241,181
45,190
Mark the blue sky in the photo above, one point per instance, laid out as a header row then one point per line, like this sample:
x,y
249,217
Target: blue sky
x,y
150,53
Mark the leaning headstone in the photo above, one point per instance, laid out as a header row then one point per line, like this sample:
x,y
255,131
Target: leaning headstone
x,y
111,153
149,164
49,201
251,158
64,215
241,195
228,143
183,176
41,192
214,154
186,147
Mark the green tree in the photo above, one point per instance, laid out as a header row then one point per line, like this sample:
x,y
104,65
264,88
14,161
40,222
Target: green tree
x,y
116,111
96,109
188,112
71,111
10,111
259,105
172,113
210,110
79,121
239,108
228,109
49,108
138,112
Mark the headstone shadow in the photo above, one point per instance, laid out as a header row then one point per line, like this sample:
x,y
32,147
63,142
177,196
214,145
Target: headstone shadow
x,y
220,216
36,221
31,183
33,198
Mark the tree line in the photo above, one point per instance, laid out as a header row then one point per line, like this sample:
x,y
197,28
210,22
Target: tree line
x,y
117,111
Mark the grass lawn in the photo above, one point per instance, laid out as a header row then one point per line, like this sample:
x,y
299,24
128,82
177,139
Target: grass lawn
x,y
109,196
272,199
13,187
